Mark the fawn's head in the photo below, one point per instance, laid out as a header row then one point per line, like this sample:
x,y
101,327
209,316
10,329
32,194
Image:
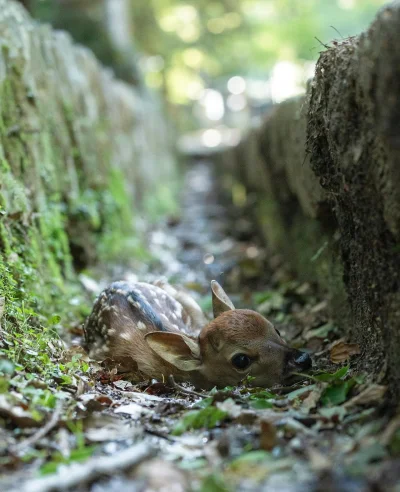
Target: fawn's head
x,y
236,344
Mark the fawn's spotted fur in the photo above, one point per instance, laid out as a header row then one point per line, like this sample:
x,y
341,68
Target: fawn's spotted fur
x,y
165,333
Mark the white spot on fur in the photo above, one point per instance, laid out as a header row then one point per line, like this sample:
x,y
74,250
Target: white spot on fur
x,y
127,336
141,325
165,317
111,332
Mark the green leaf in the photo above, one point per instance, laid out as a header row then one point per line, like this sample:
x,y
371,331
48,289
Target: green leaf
x,y
336,393
251,458
261,394
204,403
79,454
260,403
328,377
214,483
54,320
208,418
294,394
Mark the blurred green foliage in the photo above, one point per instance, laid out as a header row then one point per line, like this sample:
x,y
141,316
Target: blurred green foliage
x,y
193,43
189,45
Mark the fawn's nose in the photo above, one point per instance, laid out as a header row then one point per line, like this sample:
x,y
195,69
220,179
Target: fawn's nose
x,y
302,360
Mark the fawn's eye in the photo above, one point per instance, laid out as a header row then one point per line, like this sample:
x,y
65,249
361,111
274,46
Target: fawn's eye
x,y
277,331
241,361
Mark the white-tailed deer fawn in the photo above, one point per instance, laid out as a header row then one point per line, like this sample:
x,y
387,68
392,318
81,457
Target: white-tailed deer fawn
x,y
165,332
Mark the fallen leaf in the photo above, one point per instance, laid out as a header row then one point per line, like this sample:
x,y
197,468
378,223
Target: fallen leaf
x,y
319,462
268,435
95,401
336,393
230,407
335,414
334,376
391,430
373,394
133,409
312,399
320,332
156,473
343,351
19,416
205,418
101,428
142,397
159,389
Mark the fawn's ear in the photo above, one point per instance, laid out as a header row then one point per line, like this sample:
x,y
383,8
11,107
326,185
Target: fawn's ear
x,y
179,350
220,300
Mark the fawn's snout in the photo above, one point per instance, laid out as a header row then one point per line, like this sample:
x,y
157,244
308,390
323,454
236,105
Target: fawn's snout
x,y
299,361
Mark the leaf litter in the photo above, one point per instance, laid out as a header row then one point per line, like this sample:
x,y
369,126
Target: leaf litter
x,y
77,423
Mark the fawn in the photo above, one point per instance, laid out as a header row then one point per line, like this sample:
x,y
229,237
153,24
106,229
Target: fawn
x,y
166,333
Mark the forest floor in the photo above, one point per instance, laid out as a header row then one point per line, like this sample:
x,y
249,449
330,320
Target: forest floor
x,y
94,430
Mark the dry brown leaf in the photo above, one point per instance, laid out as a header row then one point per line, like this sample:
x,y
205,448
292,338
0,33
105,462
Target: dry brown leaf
x,y
268,435
313,398
319,462
343,351
373,394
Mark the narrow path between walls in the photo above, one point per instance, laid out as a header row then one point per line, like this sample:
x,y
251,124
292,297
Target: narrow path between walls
x,y
326,431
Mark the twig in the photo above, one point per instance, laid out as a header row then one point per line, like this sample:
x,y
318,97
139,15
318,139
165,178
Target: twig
x,y
325,45
159,434
334,28
181,389
54,419
69,476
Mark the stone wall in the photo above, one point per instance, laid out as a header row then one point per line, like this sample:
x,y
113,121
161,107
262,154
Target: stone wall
x,y
81,155
325,169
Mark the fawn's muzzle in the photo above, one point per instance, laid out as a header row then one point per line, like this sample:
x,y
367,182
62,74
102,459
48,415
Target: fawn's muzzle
x,y
303,360
298,361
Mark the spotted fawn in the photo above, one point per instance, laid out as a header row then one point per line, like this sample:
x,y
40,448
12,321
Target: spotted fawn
x,y
166,333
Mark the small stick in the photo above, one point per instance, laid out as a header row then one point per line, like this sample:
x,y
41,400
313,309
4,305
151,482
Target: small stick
x,y
325,45
181,389
161,435
36,436
334,28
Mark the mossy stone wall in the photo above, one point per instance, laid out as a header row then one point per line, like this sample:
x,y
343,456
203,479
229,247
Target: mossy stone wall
x,y
80,153
325,170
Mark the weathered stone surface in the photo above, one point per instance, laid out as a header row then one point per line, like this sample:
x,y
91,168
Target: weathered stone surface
x,y
80,154
331,200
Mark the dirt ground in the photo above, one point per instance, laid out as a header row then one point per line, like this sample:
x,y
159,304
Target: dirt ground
x,y
332,430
